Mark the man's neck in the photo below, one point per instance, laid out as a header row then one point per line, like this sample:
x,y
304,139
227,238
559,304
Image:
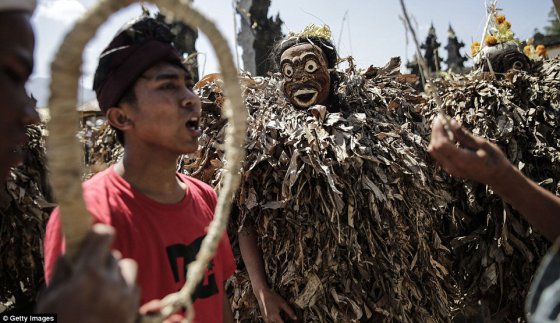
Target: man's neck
x,y
154,175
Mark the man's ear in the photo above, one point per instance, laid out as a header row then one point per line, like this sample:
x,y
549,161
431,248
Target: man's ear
x,y
118,118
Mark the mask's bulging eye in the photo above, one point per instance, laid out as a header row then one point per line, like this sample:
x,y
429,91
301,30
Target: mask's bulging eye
x,y
288,70
310,66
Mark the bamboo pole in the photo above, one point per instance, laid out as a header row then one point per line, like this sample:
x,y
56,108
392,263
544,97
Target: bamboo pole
x,y
429,87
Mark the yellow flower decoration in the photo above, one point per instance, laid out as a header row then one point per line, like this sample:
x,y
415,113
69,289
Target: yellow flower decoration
x,y
499,31
541,50
500,19
490,40
475,47
533,53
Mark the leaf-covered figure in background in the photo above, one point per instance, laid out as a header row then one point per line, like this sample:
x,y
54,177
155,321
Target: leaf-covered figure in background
x,y
339,194
496,252
24,209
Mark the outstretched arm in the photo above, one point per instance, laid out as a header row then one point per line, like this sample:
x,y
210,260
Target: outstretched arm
x,y
270,303
479,160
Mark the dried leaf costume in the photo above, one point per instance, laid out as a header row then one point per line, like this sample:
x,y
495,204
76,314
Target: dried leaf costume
x,y
344,204
496,251
24,211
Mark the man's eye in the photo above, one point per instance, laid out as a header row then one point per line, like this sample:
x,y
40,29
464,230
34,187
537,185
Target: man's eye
x,y
310,66
169,86
287,70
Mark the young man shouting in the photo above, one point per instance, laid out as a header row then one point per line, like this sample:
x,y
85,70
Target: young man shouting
x,y
160,216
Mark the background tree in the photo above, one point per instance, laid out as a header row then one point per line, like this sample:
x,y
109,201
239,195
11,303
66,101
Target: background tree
x,y
553,29
246,36
185,43
265,32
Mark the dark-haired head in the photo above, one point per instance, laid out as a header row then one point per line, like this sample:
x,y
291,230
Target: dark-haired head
x,y
137,46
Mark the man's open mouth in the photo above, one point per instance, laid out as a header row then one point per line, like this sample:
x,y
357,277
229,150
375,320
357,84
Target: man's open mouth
x,y
305,97
194,126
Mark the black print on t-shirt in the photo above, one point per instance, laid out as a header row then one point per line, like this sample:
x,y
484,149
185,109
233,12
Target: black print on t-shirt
x,y
207,287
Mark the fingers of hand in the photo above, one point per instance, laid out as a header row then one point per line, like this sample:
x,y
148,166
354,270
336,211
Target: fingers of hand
x,y
62,272
273,305
153,306
442,149
96,247
103,272
454,160
288,310
129,270
438,130
175,318
467,139
452,170
439,137
274,319
120,277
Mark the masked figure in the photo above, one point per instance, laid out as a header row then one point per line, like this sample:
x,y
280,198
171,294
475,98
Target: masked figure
x,y
336,210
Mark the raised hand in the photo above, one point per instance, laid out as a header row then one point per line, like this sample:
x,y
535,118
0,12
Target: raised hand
x,y
100,287
475,158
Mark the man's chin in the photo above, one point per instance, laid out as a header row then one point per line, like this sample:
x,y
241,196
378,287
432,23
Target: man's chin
x,y
190,149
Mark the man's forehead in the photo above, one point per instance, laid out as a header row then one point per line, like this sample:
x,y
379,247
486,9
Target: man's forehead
x,y
168,69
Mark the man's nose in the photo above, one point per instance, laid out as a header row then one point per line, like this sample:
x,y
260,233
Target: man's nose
x,y
191,101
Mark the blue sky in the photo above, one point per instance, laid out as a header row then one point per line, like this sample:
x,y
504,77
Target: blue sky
x,y
369,30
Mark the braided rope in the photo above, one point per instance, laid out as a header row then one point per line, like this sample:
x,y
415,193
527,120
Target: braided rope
x,y
64,151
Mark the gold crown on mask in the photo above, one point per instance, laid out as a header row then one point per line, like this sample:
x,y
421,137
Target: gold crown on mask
x,y
322,32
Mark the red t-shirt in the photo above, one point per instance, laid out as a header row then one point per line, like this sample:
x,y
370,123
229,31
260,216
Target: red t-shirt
x,y
162,238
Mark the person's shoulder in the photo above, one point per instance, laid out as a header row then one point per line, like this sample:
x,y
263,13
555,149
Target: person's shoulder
x,y
95,192
97,186
99,177
200,188
191,181
97,181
